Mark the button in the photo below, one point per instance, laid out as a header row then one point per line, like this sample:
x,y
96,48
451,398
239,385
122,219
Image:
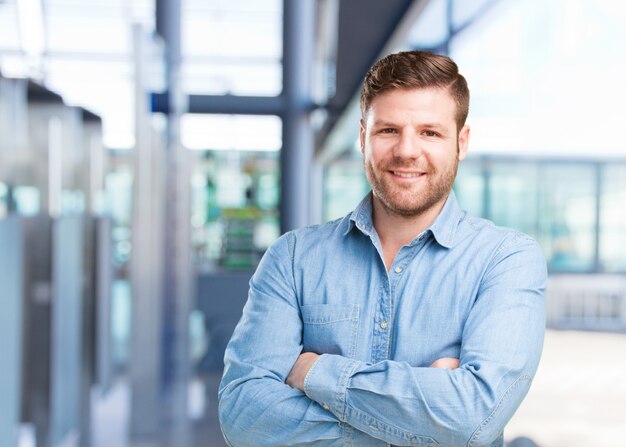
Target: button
x,y
421,238
383,325
325,406
398,269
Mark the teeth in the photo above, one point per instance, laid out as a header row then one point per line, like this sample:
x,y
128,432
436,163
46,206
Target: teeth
x,y
406,174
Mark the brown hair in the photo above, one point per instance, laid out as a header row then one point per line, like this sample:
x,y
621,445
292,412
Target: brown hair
x,y
416,69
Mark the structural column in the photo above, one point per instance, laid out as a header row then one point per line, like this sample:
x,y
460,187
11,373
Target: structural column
x,y
298,137
177,270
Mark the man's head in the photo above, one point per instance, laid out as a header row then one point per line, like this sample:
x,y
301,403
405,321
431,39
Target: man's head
x,y
416,69
413,131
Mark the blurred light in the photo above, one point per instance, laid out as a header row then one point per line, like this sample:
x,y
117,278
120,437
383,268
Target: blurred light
x,y
30,16
231,132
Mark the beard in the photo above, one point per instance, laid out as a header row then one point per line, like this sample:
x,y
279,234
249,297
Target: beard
x,y
409,200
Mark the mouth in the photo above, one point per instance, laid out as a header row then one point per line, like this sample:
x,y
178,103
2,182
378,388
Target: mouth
x,y
407,174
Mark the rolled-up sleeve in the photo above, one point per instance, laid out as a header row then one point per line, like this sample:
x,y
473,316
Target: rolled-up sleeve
x,y
501,346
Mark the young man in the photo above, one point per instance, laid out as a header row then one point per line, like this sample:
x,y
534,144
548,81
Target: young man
x,y
407,322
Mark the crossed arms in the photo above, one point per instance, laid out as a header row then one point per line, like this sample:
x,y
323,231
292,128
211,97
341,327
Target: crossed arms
x,y
392,401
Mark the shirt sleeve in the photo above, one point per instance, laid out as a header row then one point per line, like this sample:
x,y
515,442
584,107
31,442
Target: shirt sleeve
x,y
469,406
256,406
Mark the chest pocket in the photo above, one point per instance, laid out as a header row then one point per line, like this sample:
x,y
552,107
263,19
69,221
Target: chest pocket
x,y
330,328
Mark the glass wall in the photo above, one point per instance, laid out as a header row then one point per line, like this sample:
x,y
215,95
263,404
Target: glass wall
x,y
567,216
612,234
345,186
235,197
575,209
218,57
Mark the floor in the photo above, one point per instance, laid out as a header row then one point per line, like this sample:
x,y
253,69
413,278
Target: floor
x,y
578,399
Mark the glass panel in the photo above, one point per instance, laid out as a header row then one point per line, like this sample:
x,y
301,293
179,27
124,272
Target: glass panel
x,y
76,33
231,132
4,200
523,63
235,198
9,32
217,55
11,330
431,28
119,194
513,195
464,11
248,77
567,216
222,32
469,187
345,185
27,199
88,58
613,219
113,99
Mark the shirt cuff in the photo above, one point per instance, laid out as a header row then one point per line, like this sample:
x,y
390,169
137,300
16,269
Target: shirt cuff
x,y
327,381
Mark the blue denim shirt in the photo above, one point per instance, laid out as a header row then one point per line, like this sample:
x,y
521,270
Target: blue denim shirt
x,y
464,288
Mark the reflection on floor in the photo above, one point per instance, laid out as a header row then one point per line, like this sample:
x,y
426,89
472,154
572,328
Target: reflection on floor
x,y
111,416
578,399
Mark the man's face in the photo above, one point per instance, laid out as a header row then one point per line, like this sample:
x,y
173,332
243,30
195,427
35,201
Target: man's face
x,y
411,148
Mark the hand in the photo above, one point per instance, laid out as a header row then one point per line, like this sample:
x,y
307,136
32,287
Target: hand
x,y
446,362
298,373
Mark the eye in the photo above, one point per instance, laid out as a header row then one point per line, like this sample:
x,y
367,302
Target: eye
x,y
430,133
387,130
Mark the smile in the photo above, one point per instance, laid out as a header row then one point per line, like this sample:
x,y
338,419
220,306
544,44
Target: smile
x,y
407,174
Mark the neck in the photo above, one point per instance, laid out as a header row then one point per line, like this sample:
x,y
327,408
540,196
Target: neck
x,y
396,230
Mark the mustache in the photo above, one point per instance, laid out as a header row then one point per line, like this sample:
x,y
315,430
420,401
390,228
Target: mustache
x,y
398,163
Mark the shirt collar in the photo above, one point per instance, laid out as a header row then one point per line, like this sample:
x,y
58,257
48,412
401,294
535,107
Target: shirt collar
x,y
443,228
362,216
447,222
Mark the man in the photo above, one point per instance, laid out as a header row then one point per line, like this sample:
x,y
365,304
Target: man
x,y
407,322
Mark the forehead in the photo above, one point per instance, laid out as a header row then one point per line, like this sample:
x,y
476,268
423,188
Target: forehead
x,y
432,103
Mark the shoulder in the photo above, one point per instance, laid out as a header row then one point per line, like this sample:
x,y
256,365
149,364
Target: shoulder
x,y
507,250
321,233
503,237
497,241
311,236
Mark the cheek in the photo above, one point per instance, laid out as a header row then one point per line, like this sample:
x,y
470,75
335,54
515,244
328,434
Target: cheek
x,y
382,150
441,156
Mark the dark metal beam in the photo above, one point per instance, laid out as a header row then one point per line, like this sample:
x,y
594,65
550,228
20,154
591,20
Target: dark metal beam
x,y
244,105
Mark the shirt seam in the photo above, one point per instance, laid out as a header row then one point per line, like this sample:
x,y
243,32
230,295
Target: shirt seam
x,y
342,388
473,439
291,243
310,374
391,428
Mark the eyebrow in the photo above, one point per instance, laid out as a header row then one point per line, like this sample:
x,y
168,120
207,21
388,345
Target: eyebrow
x,y
384,124
435,126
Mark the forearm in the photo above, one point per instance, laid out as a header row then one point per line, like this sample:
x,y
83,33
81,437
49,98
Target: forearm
x,y
403,405
266,412
468,406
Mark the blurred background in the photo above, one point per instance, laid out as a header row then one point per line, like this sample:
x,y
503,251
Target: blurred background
x,y
151,150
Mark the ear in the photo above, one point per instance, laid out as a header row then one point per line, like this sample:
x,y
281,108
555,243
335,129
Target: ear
x,y
463,141
362,135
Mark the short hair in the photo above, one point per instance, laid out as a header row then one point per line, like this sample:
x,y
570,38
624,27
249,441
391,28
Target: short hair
x,y
416,69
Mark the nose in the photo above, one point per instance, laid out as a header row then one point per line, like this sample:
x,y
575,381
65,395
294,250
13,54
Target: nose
x,y
408,146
